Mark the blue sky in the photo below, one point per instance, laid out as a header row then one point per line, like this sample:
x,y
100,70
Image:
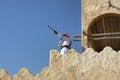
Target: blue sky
x,y
25,40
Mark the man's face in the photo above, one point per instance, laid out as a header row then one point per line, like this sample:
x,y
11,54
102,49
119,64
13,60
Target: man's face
x,y
65,37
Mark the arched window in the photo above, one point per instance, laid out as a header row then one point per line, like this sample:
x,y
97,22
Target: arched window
x,y
104,31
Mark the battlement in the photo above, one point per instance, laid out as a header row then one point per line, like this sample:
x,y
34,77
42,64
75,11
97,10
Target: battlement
x,y
90,65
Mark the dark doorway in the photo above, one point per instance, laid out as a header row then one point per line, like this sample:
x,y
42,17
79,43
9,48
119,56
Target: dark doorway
x,y
104,31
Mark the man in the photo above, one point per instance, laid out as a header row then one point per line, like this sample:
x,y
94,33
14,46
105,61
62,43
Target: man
x,y
64,43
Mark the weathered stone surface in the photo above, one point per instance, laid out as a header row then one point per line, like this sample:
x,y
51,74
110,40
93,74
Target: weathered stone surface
x,y
92,9
23,74
4,75
89,65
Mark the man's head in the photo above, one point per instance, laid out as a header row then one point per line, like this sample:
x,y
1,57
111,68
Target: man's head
x,y
66,35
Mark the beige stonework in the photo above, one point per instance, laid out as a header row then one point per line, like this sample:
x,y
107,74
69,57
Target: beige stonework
x,y
89,65
92,9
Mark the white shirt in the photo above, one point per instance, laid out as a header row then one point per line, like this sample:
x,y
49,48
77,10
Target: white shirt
x,y
64,40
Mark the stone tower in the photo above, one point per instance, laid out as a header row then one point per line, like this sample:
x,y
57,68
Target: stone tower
x,y
101,24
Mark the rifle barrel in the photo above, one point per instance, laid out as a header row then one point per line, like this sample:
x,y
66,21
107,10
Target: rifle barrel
x,y
50,28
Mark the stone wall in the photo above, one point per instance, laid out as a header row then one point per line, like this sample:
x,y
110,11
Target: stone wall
x,y
89,65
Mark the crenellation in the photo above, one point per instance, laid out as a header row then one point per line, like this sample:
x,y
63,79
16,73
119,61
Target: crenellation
x,y
89,65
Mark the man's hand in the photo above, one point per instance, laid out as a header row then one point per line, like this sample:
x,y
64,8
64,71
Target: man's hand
x,y
55,32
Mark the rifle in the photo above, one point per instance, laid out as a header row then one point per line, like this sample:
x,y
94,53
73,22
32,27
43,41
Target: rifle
x,y
55,32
